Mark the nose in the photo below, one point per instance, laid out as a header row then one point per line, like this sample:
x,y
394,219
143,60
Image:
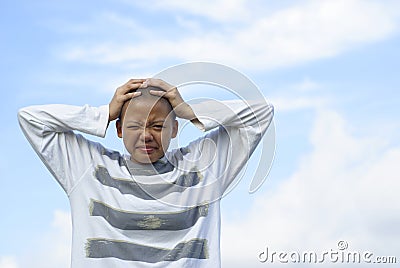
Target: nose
x,y
146,135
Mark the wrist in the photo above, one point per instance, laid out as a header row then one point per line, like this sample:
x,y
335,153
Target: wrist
x,y
112,113
184,111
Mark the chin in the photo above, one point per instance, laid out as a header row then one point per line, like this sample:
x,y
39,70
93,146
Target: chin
x,y
144,160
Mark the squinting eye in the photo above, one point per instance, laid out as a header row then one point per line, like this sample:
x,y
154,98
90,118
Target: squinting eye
x,y
158,127
133,127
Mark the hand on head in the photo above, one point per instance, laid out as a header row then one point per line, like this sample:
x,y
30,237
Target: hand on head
x,y
123,93
129,91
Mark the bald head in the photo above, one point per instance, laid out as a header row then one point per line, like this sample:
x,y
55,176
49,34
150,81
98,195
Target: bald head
x,y
145,96
146,125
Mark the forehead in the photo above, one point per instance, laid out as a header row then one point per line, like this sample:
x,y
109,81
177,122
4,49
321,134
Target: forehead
x,y
145,109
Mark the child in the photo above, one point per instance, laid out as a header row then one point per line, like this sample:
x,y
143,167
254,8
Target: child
x,y
153,207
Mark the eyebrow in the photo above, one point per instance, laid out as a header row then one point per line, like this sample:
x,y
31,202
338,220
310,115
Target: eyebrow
x,y
135,122
157,121
140,123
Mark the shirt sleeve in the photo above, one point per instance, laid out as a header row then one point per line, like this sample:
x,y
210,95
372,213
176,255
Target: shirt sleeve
x,y
238,128
50,131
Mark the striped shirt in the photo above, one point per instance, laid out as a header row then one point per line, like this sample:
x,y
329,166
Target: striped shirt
x,y
125,215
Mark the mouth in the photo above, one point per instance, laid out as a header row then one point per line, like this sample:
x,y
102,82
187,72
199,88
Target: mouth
x,y
146,149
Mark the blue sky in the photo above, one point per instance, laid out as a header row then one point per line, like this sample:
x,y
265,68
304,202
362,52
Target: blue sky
x,y
329,67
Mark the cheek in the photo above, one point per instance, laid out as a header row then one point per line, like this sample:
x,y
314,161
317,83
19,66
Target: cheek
x,y
165,137
129,137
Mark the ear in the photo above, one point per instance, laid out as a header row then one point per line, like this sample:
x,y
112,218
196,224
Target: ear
x,y
118,125
175,128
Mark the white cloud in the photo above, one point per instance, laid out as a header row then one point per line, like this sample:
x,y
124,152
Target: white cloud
x,y
305,31
54,248
221,10
306,85
8,262
290,103
345,189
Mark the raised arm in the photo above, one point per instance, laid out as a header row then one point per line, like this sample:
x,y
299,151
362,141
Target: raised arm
x,y
50,129
238,128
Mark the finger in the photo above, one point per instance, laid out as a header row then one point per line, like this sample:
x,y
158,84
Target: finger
x,y
135,94
128,87
157,93
158,83
144,84
132,81
135,86
131,95
153,82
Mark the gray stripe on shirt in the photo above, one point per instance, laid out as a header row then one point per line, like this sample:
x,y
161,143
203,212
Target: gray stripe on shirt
x,y
123,250
147,191
127,220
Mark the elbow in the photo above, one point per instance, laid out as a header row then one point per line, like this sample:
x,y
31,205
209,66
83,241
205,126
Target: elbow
x,y
272,110
269,110
22,114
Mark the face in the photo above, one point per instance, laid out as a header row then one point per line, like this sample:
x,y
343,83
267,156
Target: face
x,y
147,129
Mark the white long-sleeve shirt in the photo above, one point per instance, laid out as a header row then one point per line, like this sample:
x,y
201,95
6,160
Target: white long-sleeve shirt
x,y
164,220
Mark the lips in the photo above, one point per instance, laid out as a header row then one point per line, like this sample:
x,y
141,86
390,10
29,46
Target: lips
x,y
146,149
